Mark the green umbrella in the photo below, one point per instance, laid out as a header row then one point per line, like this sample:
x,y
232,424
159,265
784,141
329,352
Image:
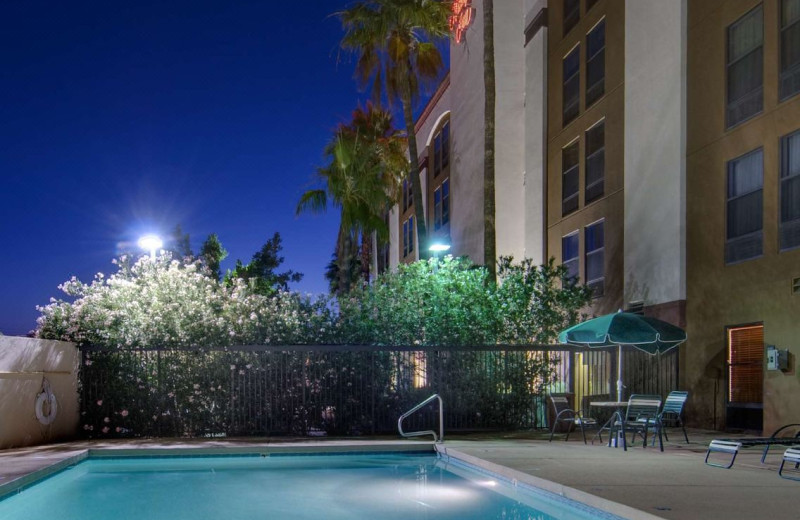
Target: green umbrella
x,y
624,329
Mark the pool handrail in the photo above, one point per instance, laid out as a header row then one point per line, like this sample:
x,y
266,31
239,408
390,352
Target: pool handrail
x,y
440,438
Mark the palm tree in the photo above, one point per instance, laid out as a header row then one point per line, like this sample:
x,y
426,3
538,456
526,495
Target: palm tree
x,y
367,163
489,235
395,44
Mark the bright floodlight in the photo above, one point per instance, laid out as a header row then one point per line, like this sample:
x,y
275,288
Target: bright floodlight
x,y
150,243
439,247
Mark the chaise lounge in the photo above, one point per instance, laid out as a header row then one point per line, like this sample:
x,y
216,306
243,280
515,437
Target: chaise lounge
x,y
732,446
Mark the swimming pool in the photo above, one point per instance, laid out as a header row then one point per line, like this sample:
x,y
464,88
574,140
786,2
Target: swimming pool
x,y
385,486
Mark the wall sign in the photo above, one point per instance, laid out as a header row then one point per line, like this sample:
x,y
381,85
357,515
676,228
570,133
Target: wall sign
x,y
461,19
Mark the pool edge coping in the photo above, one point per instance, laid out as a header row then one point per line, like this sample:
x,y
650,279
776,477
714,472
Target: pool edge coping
x,y
576,495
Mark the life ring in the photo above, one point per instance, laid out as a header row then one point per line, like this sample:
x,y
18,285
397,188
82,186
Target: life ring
x,y
46,406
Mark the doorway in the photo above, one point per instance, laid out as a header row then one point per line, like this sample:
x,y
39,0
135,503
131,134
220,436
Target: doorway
x,y
745,396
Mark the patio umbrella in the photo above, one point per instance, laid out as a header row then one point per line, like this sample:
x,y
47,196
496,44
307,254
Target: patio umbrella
x,y
623,329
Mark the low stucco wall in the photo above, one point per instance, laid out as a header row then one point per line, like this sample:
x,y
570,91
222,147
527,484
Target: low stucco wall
x,y
24,363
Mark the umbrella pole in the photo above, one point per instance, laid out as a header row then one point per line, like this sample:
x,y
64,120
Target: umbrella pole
x,y
619,373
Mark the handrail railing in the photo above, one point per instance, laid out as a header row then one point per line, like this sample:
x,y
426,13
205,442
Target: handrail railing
x,y
440,438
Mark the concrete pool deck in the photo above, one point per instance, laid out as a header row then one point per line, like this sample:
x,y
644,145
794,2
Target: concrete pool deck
x,y
675,484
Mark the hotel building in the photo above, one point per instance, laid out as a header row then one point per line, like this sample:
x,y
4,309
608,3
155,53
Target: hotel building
x,y
652,146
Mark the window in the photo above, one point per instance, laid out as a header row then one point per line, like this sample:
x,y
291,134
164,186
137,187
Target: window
x,y
745,67
790,48
745,371
569,178
590,4
572,86
790,191
745,207
595,161
569,255
441,149
595,63
441,205
595,263
572,13
408,236
408,198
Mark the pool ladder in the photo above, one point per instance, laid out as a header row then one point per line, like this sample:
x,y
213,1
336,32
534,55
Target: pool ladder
x,y
440,438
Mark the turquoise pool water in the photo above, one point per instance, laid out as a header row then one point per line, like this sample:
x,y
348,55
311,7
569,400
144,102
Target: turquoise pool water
x,y
384,486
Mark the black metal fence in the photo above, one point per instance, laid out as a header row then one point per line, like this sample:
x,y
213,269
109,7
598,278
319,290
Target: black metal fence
x,y
341,390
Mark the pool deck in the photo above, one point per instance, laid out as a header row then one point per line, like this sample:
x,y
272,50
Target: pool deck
x,y
645,483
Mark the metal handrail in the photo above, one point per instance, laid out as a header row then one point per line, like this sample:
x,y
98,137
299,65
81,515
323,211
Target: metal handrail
x,y
440,438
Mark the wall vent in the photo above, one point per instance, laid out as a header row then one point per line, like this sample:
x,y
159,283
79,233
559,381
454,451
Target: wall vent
x,y
636,307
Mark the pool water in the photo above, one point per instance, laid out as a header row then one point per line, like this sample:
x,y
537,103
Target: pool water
x,y
384,486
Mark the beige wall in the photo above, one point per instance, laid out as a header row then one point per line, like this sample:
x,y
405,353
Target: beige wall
x,y
23,364
655,153
753,291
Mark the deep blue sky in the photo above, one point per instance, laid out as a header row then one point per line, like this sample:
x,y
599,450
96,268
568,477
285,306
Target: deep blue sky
x,y
118,118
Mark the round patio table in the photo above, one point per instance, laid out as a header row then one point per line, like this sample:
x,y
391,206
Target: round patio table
x,y
619,407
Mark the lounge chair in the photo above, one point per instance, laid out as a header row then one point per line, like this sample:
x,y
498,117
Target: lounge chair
x,y
566,415
791,455
732,446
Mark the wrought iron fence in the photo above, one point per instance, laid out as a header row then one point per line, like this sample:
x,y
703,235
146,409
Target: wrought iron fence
x,y
338,390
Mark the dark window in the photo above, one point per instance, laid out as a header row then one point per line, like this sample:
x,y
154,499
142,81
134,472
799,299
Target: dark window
x,y
595,63
572,86
595,263
408,236
569,178
745,67
569,255
572,13
744,238
595,161
446,144
441,149
790,191
590,4
790,48
408,198
441,205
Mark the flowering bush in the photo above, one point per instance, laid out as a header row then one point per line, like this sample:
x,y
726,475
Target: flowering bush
x,y
158,338
168,304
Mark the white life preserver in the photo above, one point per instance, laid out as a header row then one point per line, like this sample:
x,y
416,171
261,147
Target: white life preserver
x,y
46,406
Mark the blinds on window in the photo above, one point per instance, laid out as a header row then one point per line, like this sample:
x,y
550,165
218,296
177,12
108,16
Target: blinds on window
x,y
745,359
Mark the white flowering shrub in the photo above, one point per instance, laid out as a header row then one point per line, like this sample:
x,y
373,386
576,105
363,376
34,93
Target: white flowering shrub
x,y
163,303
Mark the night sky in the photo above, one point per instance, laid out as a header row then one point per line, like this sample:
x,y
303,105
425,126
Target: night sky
x,y
121,118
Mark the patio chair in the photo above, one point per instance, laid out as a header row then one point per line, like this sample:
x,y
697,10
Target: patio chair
x,y
732,446
672,413
641,415
566,415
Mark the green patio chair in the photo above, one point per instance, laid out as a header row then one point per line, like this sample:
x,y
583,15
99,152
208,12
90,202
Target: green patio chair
x,y
566,415
672,413
641,416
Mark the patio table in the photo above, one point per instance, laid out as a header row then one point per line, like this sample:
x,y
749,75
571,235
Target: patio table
x,y
618,407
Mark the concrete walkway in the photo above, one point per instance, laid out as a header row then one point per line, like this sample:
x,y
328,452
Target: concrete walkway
x,y
673,485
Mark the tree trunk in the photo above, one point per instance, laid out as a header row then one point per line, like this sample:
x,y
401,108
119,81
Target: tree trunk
x,y
416,185
366,255
343,253
489,234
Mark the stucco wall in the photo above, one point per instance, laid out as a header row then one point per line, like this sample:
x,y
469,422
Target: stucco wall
x,y
24,362
467,101
655,166
753,291
535,138
509,38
